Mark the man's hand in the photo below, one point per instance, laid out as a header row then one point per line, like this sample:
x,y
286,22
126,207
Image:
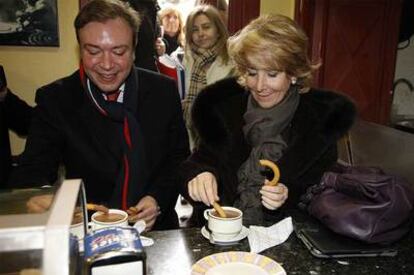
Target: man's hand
x,y
274,197
203,188
147,209
39,204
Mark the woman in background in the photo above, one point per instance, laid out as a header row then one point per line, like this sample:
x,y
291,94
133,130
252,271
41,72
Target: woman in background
x,y
206,59
267,112
172,24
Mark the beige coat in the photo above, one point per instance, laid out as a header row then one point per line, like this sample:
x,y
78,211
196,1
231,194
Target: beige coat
x,y
218,70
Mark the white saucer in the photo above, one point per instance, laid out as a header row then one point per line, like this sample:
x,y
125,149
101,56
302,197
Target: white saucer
x,y
243,234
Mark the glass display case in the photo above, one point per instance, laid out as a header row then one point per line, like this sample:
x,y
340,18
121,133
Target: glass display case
x,y
39,229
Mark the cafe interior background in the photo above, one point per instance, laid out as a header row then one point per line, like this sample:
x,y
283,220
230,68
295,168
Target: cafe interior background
x,y
28,68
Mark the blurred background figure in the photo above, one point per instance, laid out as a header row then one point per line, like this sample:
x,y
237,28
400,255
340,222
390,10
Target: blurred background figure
x,y
15,114
148,34
206,58
172,28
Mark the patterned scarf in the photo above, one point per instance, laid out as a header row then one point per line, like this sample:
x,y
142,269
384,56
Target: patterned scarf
x,y
198,80
128,186
262,130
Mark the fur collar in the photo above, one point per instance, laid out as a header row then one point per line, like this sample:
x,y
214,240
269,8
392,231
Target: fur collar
x,y
208,114
215,108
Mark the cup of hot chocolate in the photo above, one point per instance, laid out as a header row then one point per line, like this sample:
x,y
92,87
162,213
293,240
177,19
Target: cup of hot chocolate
x,y
224,228
114,217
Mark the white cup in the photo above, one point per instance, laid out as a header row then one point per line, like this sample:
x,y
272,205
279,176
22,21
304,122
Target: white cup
x,y
95,224
224,228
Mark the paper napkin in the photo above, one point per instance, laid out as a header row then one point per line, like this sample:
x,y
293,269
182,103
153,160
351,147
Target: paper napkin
x,y
261,238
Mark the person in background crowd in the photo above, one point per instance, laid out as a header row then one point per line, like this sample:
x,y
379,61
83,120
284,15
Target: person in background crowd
x,y
269,111
148,34
206,59
15,115
99,123
172,25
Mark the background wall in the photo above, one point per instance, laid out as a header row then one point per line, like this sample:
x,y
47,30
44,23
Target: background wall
x,y
285,7
28,68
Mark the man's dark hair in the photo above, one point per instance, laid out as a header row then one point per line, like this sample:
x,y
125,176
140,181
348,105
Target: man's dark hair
x,y
104,10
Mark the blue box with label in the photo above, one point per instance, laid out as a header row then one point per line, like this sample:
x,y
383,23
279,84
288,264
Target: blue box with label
x,y
114,250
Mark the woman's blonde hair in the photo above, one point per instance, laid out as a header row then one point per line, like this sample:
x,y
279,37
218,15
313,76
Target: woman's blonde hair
x,y
172,10
214,16
273,42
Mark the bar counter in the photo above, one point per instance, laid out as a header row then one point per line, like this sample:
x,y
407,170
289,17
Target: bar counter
x,y
175,251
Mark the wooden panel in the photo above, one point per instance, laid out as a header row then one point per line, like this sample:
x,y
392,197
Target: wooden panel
x,y
356,42
354,55
304,14
241,12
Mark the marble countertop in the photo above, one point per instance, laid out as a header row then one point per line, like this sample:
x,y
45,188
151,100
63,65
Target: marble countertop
x,y
175,251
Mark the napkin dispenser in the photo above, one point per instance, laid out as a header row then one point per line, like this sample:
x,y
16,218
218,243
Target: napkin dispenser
x,y
114,250
40,242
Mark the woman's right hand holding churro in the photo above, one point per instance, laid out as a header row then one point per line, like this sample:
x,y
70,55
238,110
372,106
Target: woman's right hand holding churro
x,y
203,188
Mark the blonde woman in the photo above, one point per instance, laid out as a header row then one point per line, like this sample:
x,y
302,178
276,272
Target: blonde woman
x,y
268,112
173,28
206,59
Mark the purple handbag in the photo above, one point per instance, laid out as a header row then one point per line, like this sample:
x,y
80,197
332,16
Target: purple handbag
x,y
363,203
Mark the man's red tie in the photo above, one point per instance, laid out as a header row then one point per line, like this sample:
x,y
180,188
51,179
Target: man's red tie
x,y
112,96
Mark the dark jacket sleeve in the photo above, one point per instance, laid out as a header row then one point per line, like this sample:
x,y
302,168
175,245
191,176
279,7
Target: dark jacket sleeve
x,y
18,113
217,117
39,162
200,161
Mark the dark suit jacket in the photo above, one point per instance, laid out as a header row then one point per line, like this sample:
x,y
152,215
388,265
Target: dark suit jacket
x,y
15,114
68,129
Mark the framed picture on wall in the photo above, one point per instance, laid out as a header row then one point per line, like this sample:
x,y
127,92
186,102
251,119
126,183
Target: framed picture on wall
x,y
29,23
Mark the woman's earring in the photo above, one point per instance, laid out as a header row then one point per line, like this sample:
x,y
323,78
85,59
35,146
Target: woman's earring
x,y
293,80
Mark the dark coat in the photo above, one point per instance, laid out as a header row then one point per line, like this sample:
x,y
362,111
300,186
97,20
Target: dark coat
x,y
145,53
68,129
15,114
171,43
321,119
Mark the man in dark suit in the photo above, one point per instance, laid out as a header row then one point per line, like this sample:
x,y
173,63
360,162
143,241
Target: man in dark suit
x,y
117,127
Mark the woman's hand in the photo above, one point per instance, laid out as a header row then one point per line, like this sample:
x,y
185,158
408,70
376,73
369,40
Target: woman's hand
x,y
203,188
160,46
273,197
